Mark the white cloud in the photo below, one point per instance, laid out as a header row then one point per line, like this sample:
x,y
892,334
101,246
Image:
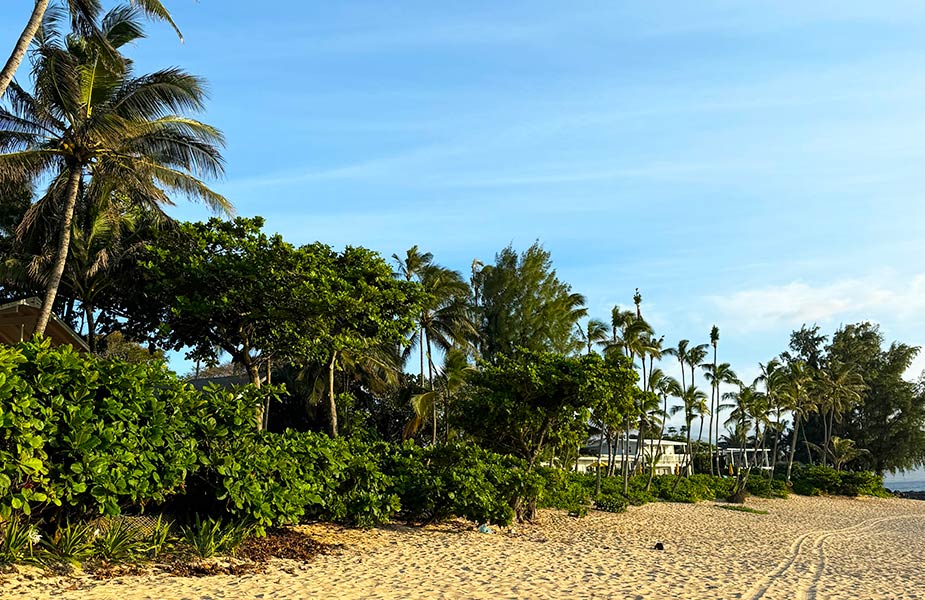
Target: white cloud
x,y
792,304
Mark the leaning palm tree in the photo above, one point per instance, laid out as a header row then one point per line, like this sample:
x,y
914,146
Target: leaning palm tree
x,y
92,124
84,14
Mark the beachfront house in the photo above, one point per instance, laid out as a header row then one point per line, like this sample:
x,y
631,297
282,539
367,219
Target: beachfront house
x,y
732,458
670,456
18,319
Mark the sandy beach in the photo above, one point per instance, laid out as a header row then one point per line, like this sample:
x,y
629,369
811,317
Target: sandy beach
x,y
819,548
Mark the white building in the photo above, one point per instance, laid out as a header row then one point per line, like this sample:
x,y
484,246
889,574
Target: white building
x,y
671,456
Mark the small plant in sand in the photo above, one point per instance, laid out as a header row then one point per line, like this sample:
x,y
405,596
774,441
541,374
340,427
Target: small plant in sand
x,y
71,543
209,536
160,540
117,542
17,541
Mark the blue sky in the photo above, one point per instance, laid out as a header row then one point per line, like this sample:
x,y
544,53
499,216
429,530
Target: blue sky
x,y
752,165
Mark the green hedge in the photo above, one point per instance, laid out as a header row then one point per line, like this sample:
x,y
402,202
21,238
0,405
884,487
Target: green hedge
x,y
82,436
818,480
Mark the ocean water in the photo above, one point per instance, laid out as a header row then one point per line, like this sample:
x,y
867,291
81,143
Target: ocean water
x,y
910,481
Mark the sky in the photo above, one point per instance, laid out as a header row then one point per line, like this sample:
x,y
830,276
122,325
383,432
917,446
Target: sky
x,y
751,165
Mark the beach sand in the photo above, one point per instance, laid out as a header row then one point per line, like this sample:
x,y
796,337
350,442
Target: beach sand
x,y
818,548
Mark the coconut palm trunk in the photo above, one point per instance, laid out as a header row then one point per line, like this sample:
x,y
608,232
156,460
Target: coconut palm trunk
x,y
658,451
600,450
430,379
22,45
64,241
332,403
793,443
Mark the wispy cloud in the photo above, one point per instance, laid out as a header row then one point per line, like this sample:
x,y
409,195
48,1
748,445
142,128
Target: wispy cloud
x,y
789,305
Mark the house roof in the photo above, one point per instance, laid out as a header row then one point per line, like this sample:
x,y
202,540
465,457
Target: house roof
x,y
18,319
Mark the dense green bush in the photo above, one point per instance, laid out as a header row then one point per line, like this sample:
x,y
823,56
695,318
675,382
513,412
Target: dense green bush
x,y
89,435
458,479
817,480
565,490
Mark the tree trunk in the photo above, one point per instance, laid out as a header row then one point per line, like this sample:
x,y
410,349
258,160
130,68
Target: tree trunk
x,y
658,452
716,394
709,447
266,402
254,375
91,329
430,379
22,45
793,444
331,399
776,444
600,450
809,453
626,460
64,242
710,428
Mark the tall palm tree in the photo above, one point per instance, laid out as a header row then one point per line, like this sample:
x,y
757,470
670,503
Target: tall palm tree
x,y
714,400
717,375
796,395
87,117
84,14
105,234
773,377
664,386
839,387
411,267
681,353
445,318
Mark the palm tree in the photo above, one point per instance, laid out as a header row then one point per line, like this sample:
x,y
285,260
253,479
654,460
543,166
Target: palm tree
x,y
843,451
695,404
796,396
105,234
411,267
839,387
86,118
714,400
717,375
773,377
664,386
453,376
445,317
747,404
594,334
84,14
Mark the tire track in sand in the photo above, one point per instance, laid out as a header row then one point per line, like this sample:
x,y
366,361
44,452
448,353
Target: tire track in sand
x,y
803,549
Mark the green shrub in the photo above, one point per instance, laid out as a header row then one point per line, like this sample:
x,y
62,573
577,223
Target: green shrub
x,y
613,504
565,490
861,483
96,435
458,480
818,480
